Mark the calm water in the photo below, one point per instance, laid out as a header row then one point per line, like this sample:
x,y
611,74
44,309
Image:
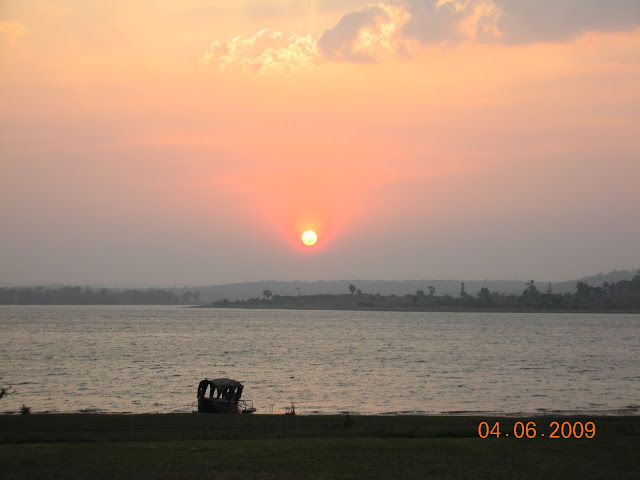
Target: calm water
x,y
150,359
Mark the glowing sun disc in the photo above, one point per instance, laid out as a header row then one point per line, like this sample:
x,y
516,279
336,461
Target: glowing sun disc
x,y
309,238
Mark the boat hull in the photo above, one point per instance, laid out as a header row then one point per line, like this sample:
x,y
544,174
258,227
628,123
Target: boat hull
x,y
217,405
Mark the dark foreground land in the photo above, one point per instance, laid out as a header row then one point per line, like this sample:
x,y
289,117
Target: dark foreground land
x,y
316,447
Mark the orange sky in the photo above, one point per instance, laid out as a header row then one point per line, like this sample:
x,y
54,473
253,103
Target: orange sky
x,y
193,142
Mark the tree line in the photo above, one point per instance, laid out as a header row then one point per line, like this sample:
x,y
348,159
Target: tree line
x,y
622,295
75,295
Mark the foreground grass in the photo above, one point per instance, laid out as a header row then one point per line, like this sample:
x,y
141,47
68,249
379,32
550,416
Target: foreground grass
x,y
270,447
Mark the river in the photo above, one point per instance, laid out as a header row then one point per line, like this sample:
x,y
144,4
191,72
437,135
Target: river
x,y
150,359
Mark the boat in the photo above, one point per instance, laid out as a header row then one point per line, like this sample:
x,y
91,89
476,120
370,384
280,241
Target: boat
x,y
224,397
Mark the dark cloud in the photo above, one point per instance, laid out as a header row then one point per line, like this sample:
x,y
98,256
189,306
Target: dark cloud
x,y
526,21
517,21
441,25
337,44
449,22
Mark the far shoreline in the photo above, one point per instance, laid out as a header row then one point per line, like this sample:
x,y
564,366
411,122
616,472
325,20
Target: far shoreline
x,y
342,306
425,310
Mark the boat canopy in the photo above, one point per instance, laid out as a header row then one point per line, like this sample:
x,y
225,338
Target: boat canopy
x,y
221,387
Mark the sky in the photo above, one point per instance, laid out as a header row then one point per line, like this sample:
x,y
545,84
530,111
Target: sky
x,y
192,142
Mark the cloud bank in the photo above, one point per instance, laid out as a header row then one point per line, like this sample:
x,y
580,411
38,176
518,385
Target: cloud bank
x,y
525,21
396,27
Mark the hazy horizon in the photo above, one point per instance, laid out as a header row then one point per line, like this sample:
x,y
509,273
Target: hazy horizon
x,y
191,143
541,282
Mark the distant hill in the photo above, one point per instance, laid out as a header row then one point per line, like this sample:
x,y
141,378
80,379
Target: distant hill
x,y
246,290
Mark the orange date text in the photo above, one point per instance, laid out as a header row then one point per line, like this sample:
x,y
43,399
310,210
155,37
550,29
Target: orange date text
x,y
532,430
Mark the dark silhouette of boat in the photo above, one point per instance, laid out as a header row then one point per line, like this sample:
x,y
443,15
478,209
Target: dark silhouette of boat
x,y
224,397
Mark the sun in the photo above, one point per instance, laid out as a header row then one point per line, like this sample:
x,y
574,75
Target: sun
x,y
309,238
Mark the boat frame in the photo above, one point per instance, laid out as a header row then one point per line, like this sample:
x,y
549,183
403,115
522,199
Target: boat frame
x,y
224,397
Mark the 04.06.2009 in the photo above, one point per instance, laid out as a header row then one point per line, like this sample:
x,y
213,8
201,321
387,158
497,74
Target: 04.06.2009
x,y
531,430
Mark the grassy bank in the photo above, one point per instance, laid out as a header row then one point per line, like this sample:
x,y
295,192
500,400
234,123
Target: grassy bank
x,y
278,446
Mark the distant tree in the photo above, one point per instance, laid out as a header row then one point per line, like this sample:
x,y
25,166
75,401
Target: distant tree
x,y
630,288
352,288
420,293
463,292
484,295
531,291
359,291
267,293
432,290
583,289
187,297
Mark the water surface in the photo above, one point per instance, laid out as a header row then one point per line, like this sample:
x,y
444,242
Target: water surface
x,y
150,359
